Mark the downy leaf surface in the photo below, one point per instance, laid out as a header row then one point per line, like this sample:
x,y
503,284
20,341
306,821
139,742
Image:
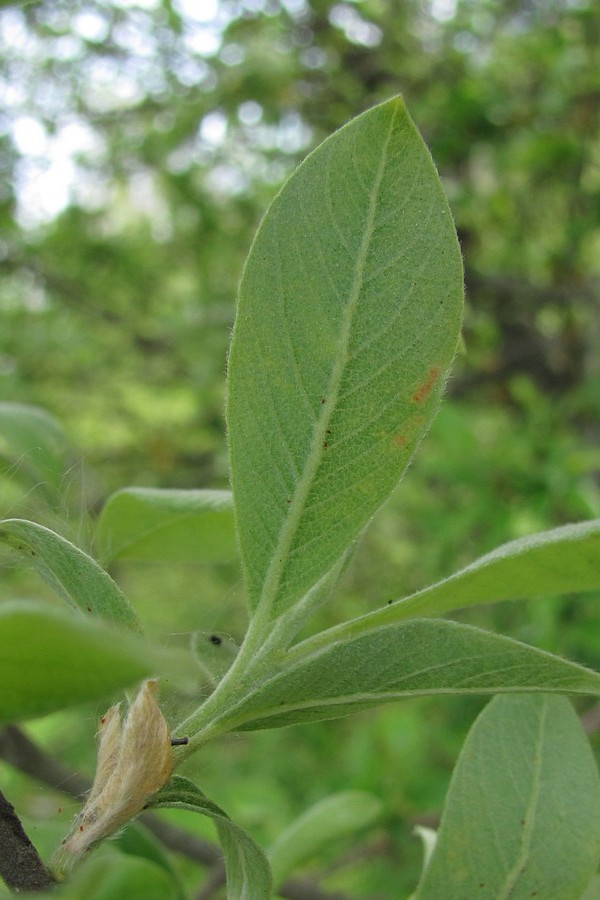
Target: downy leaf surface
x,y
522,816
348,318
248,871
562,560
74,575
423,656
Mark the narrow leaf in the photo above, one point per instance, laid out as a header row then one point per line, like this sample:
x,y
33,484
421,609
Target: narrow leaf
x,y
171,525
74,575
248,872
52,658
348,318
522,816
423,656
332,818
563,560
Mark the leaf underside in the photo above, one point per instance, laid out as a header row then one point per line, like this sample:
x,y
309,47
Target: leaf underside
x,y
522,816
423,656
348,317
248,871
74,575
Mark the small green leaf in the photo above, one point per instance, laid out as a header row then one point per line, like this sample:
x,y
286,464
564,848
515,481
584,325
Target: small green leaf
x,y
563,560
52,658
74,575
167,525
522,816
348,319
423,656
328,820
248,872
34,443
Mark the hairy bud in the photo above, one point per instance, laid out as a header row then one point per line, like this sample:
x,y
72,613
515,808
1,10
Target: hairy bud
x,y
134,761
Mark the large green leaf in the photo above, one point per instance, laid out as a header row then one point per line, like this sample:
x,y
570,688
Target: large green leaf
x,y
423,656
332,818
74,575
34,444
173,525
348,318
52,658
248,872
522,816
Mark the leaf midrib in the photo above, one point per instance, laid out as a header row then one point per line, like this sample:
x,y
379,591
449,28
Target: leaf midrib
x,y
291,523
529,814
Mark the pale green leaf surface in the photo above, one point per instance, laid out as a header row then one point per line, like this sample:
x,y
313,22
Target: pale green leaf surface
x,y
74,575
52,658
348,318
563,560
522,816
332,818
248,871
33,443
423,656
167,525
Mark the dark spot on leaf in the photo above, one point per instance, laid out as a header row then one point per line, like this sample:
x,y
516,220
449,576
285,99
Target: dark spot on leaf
x,y
89,608
215,639
523,822
390,601
325,444
60,809
425,389
81,827
32,552
288,500
329,431
322,399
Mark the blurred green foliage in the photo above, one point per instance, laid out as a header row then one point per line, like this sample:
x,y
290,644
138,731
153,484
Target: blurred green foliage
x,y
140,143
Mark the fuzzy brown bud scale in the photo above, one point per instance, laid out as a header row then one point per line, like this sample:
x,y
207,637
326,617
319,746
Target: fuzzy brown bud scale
x,y
135,760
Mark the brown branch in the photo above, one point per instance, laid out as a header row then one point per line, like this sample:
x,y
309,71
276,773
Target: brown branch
x,y
20,864
21,752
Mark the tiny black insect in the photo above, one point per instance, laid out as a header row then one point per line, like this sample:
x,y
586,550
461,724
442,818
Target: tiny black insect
x,y
215,639
179,742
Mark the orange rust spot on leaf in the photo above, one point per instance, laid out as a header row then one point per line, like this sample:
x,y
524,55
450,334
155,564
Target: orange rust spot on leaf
x,y
425,389
400,440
